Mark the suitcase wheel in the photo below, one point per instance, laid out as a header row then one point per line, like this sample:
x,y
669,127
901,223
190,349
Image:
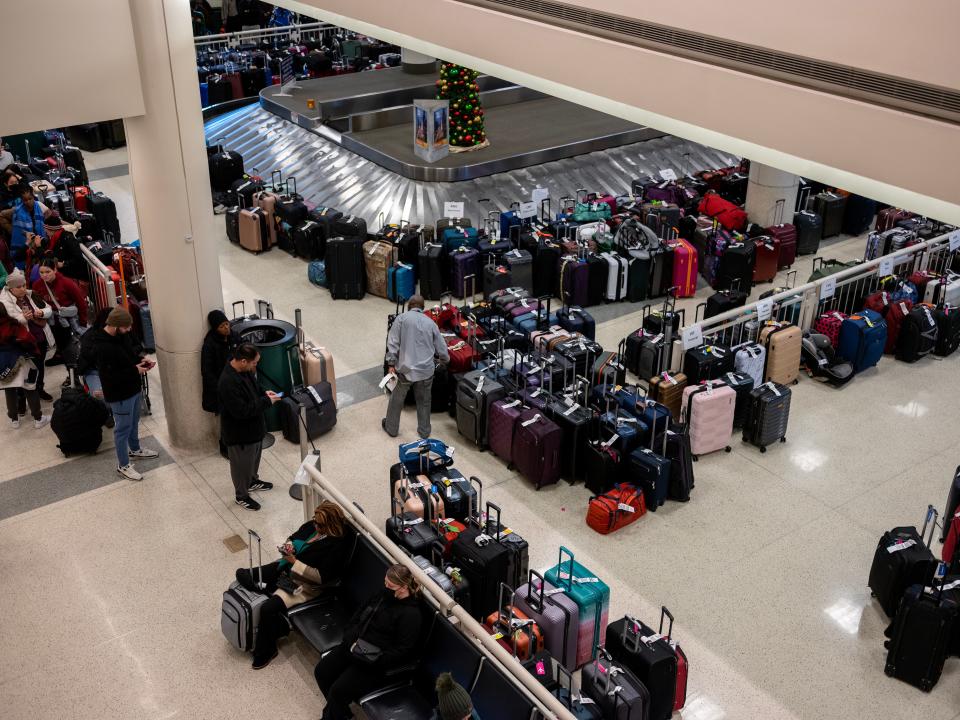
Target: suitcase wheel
x,y
888,670
695,457
796,381
783,439
763,449
729,449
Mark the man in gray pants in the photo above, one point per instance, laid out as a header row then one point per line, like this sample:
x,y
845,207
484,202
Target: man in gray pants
x,y
413,345
242,427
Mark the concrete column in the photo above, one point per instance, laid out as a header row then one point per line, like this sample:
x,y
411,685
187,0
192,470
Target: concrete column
x,y
168,166
768,185
417,63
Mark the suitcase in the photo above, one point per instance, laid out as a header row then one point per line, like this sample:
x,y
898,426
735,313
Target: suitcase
x,y
240,609
508,627
316,363
862,340
430,263
922,634
617,271
858,214
345,268
685,269
225,166
350,226
416,495
436,569
901,560
918,334
577,320
661,271
325,217
546,269
308,241
647,469
649,655
787,235
520,263
411,532
573,280
742,385
708,413
592,597
638,278
267,200
707,362
829,324
677,451
476,392
830,207
518,550
536,448
948,330
944,290
401,282
484,567
321,411
603,466
617,692
769,410
667,390
232,219
581,708
750,358
461,500
809,227
105,213
464,263
766,259
783,342
377,258
723,301
495,277
252,230
615,508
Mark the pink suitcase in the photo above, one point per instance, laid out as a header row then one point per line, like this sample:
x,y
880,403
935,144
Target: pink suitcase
x,y
708,413
685,269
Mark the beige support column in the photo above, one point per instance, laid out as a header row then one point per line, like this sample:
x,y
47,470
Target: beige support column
x,y
767,186
417,63
168,166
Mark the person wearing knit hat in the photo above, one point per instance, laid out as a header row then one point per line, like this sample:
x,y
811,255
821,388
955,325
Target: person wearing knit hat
x,y
120,365
218,344
453,701
30,310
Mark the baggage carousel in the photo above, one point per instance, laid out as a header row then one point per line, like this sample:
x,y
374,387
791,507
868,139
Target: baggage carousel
x,y
329,174
371,114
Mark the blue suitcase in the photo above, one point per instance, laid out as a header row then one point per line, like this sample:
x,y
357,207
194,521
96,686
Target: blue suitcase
x,y
401,282
576,319
203,95
508,220
628,430
317,273
531,322
862,339
650,472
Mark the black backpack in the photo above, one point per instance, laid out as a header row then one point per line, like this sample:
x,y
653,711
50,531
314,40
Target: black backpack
x,y
78,422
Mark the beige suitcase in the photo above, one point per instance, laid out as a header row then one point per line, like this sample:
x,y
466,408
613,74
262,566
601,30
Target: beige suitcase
x,y
377,257
267,201
252,229
316,362
411,495
783,342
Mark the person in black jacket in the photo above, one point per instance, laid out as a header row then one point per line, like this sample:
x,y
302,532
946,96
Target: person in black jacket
x,y
313,557
242,404
380,637
219,342
120,365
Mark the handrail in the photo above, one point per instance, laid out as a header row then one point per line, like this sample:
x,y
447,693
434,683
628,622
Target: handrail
x,y
235,39
101,280
549,705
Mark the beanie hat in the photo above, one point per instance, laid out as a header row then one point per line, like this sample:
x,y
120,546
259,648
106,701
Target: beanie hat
x,y
16,279
215,318
119,317
453,701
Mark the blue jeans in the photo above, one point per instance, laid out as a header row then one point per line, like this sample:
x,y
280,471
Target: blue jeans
x,y
126,432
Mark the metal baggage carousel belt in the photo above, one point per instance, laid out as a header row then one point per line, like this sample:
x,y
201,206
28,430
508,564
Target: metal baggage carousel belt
x,y
327,174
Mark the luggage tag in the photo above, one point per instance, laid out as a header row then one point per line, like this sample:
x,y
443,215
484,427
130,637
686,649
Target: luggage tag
x,y
668,378
480,383
897,547
626,508
573,408
532,420
774,389
512,404
611,441
650,639
903,307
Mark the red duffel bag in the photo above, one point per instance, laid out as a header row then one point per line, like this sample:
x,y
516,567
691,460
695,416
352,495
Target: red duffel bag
x,y
728,214
616,508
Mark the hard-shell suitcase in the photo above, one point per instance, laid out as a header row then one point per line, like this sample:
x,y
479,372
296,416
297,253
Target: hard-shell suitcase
x,y
308,240
518,549
922,634
830,207
953,504
409,530
536,448
104,212
232,219
603,465
750,358
617,691
943,290
252,228
661,270
325,217
649,469
349,226
723,301
918,334
638,278
592,597
483,565
464,263
581,708
902,558
546,269
742,384
316,362
648,654
401,282
735,268
769,411
948,330
496,277
617,271
240,610
345,268
783,342
708,413
766,259
863,338
508,624
707,362
685,269
667,389
461,500
787,235
809,232
377,259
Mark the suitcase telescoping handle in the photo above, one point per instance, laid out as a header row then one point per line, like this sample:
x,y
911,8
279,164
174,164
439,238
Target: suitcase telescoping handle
x,y
251,536
568,581
535,591
562,673
664,613
930,519
290,193
276,180
243,308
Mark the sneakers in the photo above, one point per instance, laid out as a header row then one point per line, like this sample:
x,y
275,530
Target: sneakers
x,y
248,502
15,424
260,663
383,424
42,422
261,485
144,454
129,472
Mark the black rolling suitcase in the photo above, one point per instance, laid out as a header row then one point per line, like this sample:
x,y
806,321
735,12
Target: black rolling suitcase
x,y
321,411
546,273
350,226
415,534
743,384
918,335
922,635
346,274
597,270
681,463
736,266
618,693
476,392
721,302
648,655
767,417
518,550
809,232
953,504
105,213
431,271
830,208
308,241
901,559
232,219
325,216
226,166
706,362
520,263
485,567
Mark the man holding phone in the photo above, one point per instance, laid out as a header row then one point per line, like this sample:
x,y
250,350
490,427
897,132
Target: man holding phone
x,y
120,365
242,426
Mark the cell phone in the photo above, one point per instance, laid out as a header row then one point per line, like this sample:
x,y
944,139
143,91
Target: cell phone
x,y
279,394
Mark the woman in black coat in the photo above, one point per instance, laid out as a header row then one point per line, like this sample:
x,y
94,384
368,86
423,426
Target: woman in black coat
x,y
217,347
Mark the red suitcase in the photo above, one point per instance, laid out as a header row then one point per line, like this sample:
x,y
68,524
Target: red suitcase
x,y
685,267
536,448
680,697
766,258
501,427
462,355
787,235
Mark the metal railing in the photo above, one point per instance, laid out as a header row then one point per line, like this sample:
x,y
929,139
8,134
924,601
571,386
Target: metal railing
x,y
104,281
320,488
291,34
842,291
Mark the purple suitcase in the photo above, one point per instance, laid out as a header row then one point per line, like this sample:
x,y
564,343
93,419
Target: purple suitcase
x,y
501,426
557,615
524,307
464,263
536,448
574,279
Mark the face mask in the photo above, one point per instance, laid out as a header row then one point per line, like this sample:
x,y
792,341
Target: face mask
x,y
388,593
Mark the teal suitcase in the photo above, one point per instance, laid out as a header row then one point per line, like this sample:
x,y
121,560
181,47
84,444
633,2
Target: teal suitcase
x,y
592,597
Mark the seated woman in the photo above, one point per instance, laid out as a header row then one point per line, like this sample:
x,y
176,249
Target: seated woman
x,y
312,556
380,637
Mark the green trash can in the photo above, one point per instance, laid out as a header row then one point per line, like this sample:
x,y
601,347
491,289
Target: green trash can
x,y
279,367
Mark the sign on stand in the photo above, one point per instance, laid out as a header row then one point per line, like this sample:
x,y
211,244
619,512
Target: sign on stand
x,y
692,336
431,129
287,77
829,288
527,210
453,210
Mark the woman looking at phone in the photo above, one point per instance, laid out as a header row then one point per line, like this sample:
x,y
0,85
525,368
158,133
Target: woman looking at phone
x,y
120,365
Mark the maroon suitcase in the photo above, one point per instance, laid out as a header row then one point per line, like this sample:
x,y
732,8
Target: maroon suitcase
x,y
787,235
501,427
536,448
766,258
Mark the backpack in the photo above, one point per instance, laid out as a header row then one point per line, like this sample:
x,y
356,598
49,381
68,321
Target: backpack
x,y
78,421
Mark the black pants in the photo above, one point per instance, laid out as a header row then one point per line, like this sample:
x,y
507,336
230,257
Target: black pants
x,y
343,680
273,626
271,571
61,336
16,397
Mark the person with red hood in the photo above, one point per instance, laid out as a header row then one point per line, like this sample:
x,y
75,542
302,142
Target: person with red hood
x,y
67,300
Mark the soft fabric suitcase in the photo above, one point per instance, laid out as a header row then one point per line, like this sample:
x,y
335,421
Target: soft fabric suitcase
x,y
650,470
349,226
484,567
685,269
668,389
308,240
464,264
520,263
769,411
321,411
577,320
232,219
809,232
708,413
750,358
648,654
592,597
707,362
902,558
77,421
617,691
104,212
252,230
430,264
597,273
573,281
345,268
948,330
661,270
461,500
862,340
377,258
546,270
575,420
496,277
766,259
536,448
724,301
501,427
921,637
225,167
410,531
476,391
858,213
325,217
918,334
830,207
829,324
783,342
677,451
638,278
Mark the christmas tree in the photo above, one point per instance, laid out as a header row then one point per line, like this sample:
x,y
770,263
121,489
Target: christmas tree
x,y
459,85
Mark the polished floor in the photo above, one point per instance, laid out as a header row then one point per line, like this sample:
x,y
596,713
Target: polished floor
x,y
111,589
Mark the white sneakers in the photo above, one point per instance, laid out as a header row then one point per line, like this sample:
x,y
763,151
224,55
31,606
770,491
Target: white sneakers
x,y
144,454
129,472
37,424
15,424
